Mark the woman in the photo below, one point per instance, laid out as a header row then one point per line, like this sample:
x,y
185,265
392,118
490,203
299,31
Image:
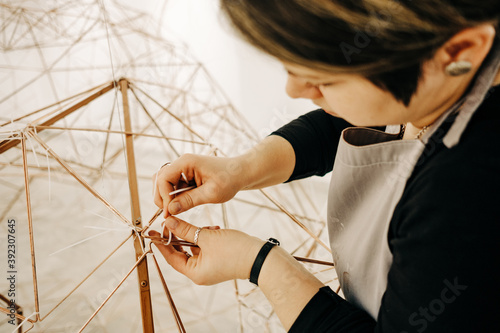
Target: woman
x,y
412,215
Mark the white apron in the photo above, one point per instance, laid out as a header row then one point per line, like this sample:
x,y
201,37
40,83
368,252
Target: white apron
x,y
369,176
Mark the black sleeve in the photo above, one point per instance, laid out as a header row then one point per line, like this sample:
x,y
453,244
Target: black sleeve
x,y
328,312
314,138
445,240
446,265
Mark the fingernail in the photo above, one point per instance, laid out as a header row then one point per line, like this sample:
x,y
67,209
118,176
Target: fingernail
x,y
171,223
174,207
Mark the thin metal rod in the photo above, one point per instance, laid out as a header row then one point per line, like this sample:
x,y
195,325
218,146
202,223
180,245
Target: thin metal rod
x,y
117,132
142,269
177,317
30,226
314,261
52,105
13,141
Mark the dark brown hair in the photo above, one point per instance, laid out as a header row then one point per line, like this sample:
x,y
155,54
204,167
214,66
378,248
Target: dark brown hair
x,y
385,40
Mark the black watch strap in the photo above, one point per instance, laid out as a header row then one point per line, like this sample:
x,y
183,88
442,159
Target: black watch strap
x,y
261,257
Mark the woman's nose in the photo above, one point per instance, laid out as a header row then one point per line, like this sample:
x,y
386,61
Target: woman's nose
x,y
300,88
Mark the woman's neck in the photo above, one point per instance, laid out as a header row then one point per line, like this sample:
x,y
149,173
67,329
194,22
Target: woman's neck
x,y
412,130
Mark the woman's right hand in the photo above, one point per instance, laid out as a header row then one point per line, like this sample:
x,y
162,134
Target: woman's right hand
x,y
217,180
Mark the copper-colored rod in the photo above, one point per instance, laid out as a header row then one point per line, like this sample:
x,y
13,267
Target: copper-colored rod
x,y
294,219
30,227
155,216
117,132
51,105
176,242
86,278
20,319
13,141
80,179
142,268
73,108
141,258
314,245
177,317
148,225
18,316
314,261
19,311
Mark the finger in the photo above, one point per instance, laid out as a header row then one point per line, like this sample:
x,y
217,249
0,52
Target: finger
x,y
164,230
161,243
160,192
177,259
195,251
156,194
158,238
165,198
182,229
177,247
169,240
168,181
174,255
189,199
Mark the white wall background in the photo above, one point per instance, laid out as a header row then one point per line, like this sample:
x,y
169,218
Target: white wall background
x,y
254,82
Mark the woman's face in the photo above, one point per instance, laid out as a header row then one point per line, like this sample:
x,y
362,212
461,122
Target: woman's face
x,y
360,102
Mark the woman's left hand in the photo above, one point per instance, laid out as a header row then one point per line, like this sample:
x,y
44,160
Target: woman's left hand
x,y
223,254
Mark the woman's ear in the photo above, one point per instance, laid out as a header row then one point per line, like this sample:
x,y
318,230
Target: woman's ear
x,y
466,50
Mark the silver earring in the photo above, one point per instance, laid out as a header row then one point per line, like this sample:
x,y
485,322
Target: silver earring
x,y
458,68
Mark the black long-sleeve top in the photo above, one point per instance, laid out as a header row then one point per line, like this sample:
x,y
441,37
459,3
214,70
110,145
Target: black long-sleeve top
x,y
444,234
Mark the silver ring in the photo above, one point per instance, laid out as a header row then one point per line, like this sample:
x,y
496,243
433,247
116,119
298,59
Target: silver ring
x,y
196,235
168,163
188,255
